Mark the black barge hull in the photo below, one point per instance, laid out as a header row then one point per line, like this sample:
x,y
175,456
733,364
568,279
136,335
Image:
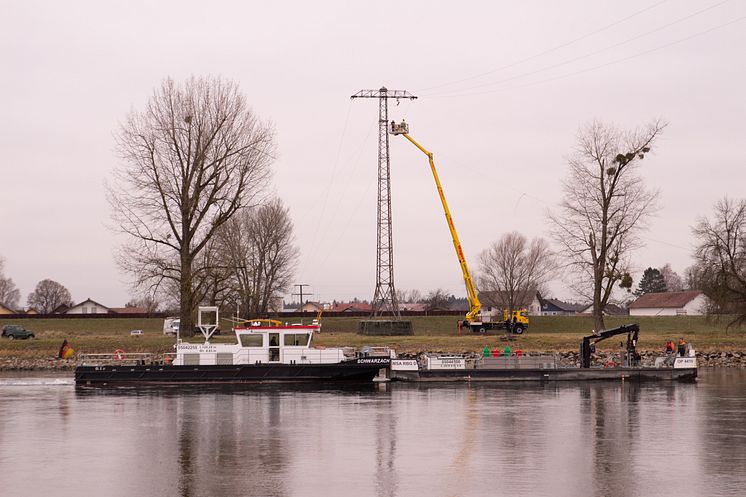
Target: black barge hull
x,y
120,375
547,375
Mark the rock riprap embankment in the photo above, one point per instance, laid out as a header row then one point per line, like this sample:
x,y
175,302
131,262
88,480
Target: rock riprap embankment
x,y
730,359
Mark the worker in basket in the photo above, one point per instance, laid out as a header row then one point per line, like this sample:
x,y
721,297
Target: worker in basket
x,y
682,347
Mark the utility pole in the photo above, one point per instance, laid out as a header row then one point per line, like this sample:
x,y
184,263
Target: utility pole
x,y
384,298
301,294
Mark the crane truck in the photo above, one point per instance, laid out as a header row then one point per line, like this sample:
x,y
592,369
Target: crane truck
x,y
515,321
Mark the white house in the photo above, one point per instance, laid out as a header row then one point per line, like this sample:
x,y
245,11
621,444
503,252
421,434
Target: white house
x,y
88,306
689,303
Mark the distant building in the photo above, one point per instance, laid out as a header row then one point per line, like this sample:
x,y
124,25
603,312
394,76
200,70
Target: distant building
x,y
61,309
556,307
6,310
609,310
312,306
351,307
688,303
88,306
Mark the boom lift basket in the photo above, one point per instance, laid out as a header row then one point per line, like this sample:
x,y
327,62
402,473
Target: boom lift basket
x,y
399,129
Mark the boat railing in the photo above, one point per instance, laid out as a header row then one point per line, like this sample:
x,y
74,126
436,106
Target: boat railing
x,y
116,358
371,351
517,362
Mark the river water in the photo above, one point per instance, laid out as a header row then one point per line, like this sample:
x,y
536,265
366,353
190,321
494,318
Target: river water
x,y
613,439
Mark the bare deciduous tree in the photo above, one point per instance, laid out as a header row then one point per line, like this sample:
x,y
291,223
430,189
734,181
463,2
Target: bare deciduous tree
x,y
674,283
148,302
720,268
605,207
193,157
437,299
408,296
9,294
512,269
49,295
258,247
214,275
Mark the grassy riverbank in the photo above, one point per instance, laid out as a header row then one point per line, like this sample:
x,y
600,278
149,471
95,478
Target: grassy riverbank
x,y
432,333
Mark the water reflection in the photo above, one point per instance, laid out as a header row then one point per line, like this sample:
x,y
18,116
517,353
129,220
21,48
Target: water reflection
x,y
606,439
385,429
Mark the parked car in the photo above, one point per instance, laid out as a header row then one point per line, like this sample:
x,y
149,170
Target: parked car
x,y
171,326
136,333
15,331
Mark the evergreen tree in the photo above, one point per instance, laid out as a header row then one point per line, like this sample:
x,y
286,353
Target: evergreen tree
x,y
652,282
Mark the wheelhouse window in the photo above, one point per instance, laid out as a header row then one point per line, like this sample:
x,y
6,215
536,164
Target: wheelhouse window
x,y
251,340
293,339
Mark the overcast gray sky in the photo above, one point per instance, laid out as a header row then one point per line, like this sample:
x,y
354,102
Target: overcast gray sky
x,y
503,87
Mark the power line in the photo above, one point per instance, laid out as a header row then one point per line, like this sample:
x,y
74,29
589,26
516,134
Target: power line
x,y
545,52
600,66
331,179
589,54
345,183
355,161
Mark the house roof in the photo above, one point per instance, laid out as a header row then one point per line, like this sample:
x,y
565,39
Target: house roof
x,y
352,306
61,309
563,306
6,309
665,299
88,300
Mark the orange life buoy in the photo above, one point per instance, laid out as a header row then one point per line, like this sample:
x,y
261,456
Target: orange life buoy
x,y
119,354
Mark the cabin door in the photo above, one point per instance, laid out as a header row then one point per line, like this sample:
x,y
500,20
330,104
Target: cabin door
x,y
274,347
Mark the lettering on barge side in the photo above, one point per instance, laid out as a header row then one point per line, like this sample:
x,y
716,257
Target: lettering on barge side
x,y
193,347
443,363
685,362
374,360
404,365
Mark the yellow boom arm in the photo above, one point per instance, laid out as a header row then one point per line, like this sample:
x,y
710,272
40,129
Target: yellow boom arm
x,y
471,292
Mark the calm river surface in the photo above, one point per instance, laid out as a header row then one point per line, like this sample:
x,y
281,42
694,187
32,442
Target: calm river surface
x,y
575,440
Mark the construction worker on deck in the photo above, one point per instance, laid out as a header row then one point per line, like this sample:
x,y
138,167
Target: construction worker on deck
x,y
682,347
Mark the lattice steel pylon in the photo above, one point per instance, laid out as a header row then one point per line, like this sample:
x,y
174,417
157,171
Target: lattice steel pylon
x,y
384,298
